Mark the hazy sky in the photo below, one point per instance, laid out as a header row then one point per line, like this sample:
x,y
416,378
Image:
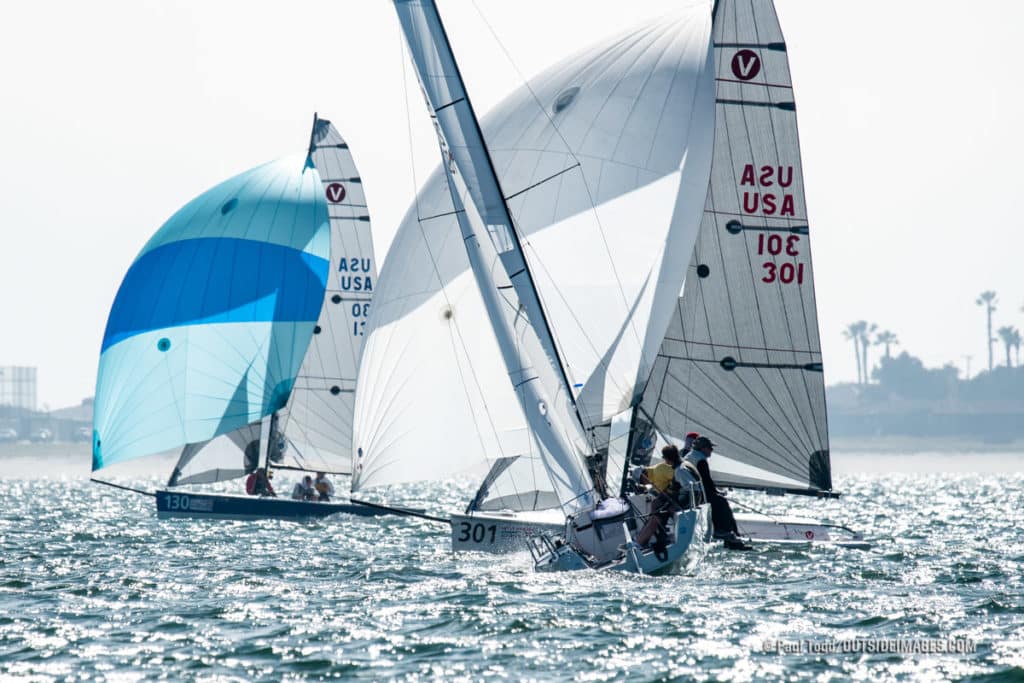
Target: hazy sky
x,y
114,113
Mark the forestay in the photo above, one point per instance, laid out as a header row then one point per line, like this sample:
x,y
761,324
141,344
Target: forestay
x,y
596,117
212,321
741,361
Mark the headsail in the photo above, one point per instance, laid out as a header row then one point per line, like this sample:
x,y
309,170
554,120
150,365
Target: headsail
x,y
212,321
741,360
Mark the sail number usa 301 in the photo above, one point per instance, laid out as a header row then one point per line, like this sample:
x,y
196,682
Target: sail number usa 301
x,y
776,245
766,192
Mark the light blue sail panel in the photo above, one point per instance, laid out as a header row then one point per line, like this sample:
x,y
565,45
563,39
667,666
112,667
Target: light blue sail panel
x,y
212,321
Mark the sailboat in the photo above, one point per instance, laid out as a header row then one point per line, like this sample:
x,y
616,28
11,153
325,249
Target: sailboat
x,y
236,332
741,359
576,290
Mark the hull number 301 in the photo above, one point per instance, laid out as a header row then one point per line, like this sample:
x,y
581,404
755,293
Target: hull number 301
x,y
477,533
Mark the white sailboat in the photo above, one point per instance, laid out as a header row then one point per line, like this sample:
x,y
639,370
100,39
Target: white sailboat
x,y
255,296
741,359
596,142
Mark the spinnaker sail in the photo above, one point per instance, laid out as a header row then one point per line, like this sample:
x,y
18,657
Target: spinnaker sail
x,y
312,412
211,323
741,360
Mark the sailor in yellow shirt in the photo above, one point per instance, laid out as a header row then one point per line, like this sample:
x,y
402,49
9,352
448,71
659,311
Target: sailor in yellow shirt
x,y
660,476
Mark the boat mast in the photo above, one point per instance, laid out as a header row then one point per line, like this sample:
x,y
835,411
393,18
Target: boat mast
x,y
267,425
454,117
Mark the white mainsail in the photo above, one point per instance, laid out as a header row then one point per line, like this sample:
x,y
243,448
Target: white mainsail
x,y
318,418
741,360
617,126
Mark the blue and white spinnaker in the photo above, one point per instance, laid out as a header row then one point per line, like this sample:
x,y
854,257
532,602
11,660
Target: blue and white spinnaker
x,y
212,321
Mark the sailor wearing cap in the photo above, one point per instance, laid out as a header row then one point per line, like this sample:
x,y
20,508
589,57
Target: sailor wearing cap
x,y
721,512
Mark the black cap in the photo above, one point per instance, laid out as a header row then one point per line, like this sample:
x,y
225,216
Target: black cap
x,y
702,442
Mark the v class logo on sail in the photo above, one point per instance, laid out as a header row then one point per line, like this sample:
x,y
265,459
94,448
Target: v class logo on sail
x,y
746,65
335,193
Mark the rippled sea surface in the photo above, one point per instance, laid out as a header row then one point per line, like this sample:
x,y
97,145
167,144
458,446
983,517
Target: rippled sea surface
x,y
94,587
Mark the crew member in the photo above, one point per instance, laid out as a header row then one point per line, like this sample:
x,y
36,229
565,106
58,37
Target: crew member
x,y
304,489
721,512
323,487
258,483
662,478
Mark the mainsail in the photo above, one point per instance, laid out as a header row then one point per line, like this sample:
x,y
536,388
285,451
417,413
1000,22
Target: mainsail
x,y
617,127
211,323
318,419
741,361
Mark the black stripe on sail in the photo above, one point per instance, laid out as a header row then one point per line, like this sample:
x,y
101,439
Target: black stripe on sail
x,y
785,106
763,85
541,182
341,145
440,215
778,47
450,104
342,180
730,363
819,470
735,227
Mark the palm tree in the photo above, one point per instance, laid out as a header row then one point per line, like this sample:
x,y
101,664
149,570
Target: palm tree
x,y
1006,333
988,300
866,330
1017,339
886,339
852,332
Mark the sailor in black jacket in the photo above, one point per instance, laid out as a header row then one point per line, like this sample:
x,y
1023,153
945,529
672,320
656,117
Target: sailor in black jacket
x,y
721,512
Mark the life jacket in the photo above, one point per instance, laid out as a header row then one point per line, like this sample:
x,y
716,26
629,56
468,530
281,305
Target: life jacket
x,y
250,484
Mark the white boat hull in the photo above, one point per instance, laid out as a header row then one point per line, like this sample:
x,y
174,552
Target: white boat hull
x,y
502,532
683,553
795,530
603,538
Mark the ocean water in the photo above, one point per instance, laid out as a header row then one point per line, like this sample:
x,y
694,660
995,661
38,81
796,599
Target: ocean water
x,y
94,587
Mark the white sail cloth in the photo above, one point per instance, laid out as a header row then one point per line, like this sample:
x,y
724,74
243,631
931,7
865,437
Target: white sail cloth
x,y
604,162
318,419
624,127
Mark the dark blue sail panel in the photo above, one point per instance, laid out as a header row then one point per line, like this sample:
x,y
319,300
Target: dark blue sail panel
x,y
211,323
216,280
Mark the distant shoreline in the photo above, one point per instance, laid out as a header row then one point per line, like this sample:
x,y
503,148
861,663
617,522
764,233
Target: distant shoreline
x,y
915,444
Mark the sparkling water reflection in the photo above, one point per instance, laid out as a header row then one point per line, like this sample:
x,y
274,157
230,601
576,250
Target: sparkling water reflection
x,y
93,586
